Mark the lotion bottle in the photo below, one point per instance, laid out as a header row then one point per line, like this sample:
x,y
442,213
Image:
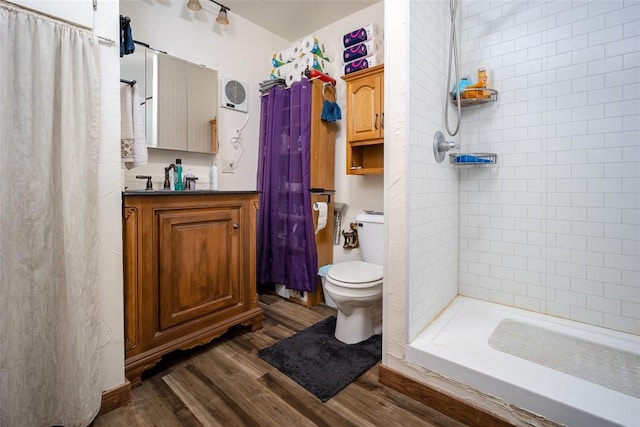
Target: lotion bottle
x,y
213,177
178,175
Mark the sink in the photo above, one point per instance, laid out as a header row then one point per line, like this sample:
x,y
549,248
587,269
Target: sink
x,y
143,192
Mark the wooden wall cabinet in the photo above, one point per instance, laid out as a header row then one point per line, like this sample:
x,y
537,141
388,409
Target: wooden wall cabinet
x,y
365,121
189,265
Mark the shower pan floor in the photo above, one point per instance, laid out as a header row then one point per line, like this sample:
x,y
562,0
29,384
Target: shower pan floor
x,y
455,345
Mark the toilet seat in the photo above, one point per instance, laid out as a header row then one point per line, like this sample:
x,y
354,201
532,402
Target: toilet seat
x,y
355,274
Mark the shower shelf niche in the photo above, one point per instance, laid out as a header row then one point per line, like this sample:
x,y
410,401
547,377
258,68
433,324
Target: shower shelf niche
x,y
476,97
473,159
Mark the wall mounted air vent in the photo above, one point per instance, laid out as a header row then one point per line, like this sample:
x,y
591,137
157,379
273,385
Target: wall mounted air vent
x,y
234,94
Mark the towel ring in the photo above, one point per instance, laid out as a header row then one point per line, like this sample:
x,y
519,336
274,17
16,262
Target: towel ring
x,y
324,87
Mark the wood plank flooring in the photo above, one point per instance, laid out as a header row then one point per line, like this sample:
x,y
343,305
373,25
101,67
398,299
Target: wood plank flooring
x,y
225,383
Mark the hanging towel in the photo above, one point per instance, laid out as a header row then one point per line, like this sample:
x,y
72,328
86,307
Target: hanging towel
x,y
331,111
133,145
126,38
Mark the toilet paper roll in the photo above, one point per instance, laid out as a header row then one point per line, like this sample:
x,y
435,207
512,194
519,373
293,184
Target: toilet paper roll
x,y
360,35
311,44
321,208
280,58
363,63
362,50
293,77
315,62
296,65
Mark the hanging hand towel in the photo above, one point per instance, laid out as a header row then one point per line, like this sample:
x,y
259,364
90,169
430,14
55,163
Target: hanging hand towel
x,y
331,111
126,37
126,123
133,144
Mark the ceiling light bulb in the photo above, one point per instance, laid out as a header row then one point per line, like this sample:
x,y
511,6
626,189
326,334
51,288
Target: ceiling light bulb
x,y
194,5
222,16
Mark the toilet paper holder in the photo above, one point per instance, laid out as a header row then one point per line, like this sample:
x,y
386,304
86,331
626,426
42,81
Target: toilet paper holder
x,y
323,192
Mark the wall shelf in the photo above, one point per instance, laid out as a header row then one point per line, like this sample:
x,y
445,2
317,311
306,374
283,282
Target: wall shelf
x,y
476,97
473,159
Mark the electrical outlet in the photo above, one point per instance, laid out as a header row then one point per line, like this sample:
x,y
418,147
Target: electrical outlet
x,y
227,166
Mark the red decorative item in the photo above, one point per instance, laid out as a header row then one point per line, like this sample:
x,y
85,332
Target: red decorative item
x,y
313,74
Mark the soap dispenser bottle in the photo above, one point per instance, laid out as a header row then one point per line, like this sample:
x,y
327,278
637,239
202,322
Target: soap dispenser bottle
x,y
213,177
178,175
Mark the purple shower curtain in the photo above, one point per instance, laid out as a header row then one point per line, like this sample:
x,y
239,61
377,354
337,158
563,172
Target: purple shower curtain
x,y
286,241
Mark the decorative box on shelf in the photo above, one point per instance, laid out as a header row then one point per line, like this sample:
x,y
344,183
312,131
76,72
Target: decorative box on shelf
x,y
473,159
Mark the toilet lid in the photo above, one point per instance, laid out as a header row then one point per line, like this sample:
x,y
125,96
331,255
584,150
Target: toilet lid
x,y
355,272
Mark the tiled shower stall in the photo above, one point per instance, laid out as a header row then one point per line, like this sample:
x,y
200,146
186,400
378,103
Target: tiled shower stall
x,y
555,226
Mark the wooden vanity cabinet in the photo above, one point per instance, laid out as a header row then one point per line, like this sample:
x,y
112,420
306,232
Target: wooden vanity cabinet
x,y
365,121
189,265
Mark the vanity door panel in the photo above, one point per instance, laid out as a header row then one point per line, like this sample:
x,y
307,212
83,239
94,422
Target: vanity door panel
x,y
198,264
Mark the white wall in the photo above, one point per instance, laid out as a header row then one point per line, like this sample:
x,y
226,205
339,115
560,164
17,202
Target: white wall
x,y
433,187
556,227
421,195
109,223
240,50
394,293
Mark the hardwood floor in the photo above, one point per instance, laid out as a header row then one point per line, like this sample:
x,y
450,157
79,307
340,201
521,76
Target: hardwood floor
x,y
225,383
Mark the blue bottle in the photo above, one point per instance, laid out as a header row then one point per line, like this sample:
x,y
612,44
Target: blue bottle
x,y
178,175
464,82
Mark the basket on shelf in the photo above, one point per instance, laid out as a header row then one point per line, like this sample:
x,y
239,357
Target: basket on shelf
x,y
475,96
473,159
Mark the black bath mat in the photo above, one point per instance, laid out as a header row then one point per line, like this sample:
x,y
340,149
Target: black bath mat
x,y
320,363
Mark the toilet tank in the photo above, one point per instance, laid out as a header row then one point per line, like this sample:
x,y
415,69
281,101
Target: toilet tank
x,y
371,237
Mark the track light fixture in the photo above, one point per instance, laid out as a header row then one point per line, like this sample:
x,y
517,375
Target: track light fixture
x,y
222,15
194,5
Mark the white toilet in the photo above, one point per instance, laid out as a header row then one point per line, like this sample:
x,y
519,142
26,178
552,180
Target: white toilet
x,y
356,286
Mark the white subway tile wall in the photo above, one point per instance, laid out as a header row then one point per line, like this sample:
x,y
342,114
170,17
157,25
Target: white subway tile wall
x,y
433,188
555,228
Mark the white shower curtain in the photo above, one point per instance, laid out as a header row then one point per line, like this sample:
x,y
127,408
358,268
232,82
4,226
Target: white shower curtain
x,y
49,141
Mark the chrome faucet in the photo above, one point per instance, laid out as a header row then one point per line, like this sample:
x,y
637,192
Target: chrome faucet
x,y
167,182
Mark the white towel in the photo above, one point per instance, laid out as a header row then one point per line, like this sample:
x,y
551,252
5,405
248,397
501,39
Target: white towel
x,y
133,145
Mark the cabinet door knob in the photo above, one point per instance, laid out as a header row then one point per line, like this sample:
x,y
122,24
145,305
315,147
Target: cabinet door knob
x,y
235,226
375,121
382,120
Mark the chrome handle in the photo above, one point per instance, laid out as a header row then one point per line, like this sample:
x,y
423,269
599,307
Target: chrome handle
x,y
235,226
375,121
